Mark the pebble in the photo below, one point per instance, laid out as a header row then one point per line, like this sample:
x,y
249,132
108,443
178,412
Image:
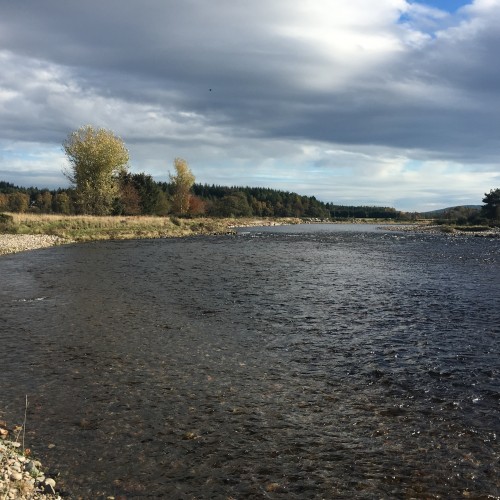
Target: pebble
x,y
49,486
433,229
13,243
16,476
21,478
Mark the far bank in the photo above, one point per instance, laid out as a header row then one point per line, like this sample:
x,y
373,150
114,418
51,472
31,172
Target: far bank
x,y
21,232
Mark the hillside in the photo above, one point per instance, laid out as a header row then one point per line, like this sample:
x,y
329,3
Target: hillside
x,y
444,211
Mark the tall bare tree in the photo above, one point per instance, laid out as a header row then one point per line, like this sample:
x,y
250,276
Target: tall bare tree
x,y
96,158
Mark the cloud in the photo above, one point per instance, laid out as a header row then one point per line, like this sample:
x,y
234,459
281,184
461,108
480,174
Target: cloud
x,y
298,95
31,164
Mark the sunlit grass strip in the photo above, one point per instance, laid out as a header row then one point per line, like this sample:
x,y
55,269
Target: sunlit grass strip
x,y
88,228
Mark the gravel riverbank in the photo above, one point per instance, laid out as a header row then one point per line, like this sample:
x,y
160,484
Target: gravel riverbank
x,y
435,229
21,477
145,228
13,243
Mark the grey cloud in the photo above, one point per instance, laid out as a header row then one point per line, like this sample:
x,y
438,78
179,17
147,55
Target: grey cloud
x,y
186,49
145,69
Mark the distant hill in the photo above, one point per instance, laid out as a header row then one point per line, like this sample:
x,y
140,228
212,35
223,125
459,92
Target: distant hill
x,y
442,211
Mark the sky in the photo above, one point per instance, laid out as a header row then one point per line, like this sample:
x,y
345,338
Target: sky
x,y
357,102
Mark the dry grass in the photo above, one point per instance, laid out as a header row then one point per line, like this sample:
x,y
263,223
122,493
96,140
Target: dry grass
x,y
87,228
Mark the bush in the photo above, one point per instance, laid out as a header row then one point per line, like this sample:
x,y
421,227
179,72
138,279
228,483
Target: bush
x,y
6,223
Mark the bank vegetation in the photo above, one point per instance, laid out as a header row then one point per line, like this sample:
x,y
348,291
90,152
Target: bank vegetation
x,y
135,205
26,231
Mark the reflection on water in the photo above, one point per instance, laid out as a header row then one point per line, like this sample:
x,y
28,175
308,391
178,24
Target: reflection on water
x,y
313,365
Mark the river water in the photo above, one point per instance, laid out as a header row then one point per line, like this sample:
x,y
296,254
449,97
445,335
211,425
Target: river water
x,y
293,362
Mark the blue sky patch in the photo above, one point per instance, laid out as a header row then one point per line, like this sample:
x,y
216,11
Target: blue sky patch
x,y
447,5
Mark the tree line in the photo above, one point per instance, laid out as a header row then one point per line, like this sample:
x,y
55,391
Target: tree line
x,y
101,184
140,194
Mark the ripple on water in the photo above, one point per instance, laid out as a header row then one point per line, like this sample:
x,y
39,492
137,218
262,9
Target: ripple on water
x,y
318,365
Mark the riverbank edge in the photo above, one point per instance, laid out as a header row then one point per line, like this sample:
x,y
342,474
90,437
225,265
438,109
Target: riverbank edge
x,y
15,243
21,477
36,234
493,232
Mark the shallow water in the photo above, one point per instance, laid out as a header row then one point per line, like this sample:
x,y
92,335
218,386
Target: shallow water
x,y
272,364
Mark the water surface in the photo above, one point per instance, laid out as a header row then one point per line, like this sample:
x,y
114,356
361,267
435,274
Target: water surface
x,y
272,364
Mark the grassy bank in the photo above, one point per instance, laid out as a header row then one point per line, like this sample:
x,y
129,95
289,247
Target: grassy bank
x,y
90,228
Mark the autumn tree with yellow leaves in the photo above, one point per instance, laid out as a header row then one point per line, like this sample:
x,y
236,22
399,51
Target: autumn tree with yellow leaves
x,y
96,158
182,182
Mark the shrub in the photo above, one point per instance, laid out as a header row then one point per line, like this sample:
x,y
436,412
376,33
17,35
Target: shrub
x,y
6,223
176,221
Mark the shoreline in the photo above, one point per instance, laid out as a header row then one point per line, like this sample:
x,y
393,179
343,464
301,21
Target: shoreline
x,y
44,231
493,232
15,243
21,476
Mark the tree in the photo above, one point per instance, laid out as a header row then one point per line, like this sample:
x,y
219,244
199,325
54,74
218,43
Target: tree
x,y
197,206
142,190
130,200
61,203
19,202
235,205
163,204
43,201
491,207
96,157
4,201
182,183
150,193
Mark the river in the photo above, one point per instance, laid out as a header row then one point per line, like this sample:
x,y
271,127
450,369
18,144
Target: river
x,y
292,362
